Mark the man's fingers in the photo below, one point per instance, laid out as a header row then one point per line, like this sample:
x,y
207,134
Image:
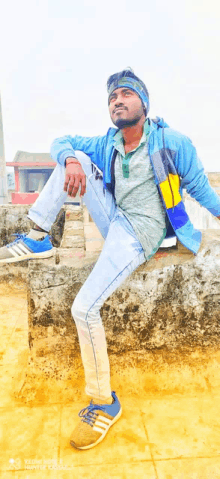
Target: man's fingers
x,y
83,186
67,178
73,187
72,182
76,186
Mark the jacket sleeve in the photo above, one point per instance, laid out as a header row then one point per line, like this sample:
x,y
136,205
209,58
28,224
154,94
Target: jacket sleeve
x,y
66,146
194,179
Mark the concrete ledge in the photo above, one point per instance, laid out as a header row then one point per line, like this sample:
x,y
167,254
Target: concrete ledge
x,y
169,308
13,219
171,303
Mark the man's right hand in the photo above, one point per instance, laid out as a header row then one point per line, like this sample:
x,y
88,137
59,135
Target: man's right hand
x,y
74,176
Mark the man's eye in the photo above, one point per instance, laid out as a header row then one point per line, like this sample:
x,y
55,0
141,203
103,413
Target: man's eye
x,y
112,98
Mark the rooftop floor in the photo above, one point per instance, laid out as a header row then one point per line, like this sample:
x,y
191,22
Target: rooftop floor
x,y
158,437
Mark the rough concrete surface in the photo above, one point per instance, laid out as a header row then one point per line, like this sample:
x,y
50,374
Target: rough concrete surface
x,y
170,305
13,219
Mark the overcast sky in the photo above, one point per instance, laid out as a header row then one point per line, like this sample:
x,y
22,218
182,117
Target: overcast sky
x,y
56,56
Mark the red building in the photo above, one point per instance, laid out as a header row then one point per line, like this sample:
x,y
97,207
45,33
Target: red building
x,y
32,171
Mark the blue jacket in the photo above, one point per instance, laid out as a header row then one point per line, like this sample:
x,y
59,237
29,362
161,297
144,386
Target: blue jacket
x,y
175,164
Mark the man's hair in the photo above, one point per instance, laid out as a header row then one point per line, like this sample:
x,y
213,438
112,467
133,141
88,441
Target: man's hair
x,y
125,73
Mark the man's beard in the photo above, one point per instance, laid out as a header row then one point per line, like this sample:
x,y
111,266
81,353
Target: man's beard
x,y
122,123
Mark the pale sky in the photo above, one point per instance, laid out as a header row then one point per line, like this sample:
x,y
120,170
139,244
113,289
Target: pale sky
x,y
56,56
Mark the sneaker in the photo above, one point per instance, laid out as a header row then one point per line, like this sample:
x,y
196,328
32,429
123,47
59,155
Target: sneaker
x,y
95,423
26,248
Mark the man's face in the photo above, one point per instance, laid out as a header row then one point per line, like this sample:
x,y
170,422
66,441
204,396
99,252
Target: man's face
x,y
125,107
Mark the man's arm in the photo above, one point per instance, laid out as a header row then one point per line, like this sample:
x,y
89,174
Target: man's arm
x,y
65,147
194,179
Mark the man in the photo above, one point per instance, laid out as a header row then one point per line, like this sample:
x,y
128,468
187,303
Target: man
x,y
132,180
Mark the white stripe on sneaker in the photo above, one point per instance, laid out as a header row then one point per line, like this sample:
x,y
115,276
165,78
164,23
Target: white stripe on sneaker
x,y
18,250
24,248
13,252
101,424
105,419
98,429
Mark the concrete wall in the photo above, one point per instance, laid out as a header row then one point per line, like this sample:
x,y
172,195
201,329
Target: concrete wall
x,y
171,303
13,219
200,217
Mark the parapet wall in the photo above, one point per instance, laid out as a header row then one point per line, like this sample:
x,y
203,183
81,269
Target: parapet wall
x,y
171,301
170,304
167,310
200,216
13,219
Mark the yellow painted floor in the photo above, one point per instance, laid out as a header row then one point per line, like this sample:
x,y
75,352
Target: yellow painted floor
x,y
170,437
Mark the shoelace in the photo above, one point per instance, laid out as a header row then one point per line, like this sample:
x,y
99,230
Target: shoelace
x,y
88,415
19,237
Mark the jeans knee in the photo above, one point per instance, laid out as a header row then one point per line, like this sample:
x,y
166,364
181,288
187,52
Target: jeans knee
x,y
82,312
79,310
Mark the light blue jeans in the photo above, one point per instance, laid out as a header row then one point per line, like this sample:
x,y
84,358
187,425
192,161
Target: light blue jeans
x,y
122,253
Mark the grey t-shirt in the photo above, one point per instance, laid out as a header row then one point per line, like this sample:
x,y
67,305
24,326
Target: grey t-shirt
x,y
137,196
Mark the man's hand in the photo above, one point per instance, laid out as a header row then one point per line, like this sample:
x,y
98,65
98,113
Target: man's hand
x,y
74,176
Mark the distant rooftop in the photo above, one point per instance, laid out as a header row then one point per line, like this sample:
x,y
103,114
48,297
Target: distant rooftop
x,y
26,157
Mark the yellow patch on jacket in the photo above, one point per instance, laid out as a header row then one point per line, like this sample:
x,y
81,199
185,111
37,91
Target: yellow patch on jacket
x,y
169,198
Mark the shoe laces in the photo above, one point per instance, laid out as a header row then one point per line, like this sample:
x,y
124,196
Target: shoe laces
x,y
19,237
88,415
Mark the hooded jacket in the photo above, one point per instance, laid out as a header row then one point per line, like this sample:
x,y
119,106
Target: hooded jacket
x,y
175,164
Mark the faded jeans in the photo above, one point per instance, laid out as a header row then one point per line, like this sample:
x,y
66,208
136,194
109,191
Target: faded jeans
x,y
122,253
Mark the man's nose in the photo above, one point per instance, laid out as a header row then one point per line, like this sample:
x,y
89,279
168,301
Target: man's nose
x,y
119,102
